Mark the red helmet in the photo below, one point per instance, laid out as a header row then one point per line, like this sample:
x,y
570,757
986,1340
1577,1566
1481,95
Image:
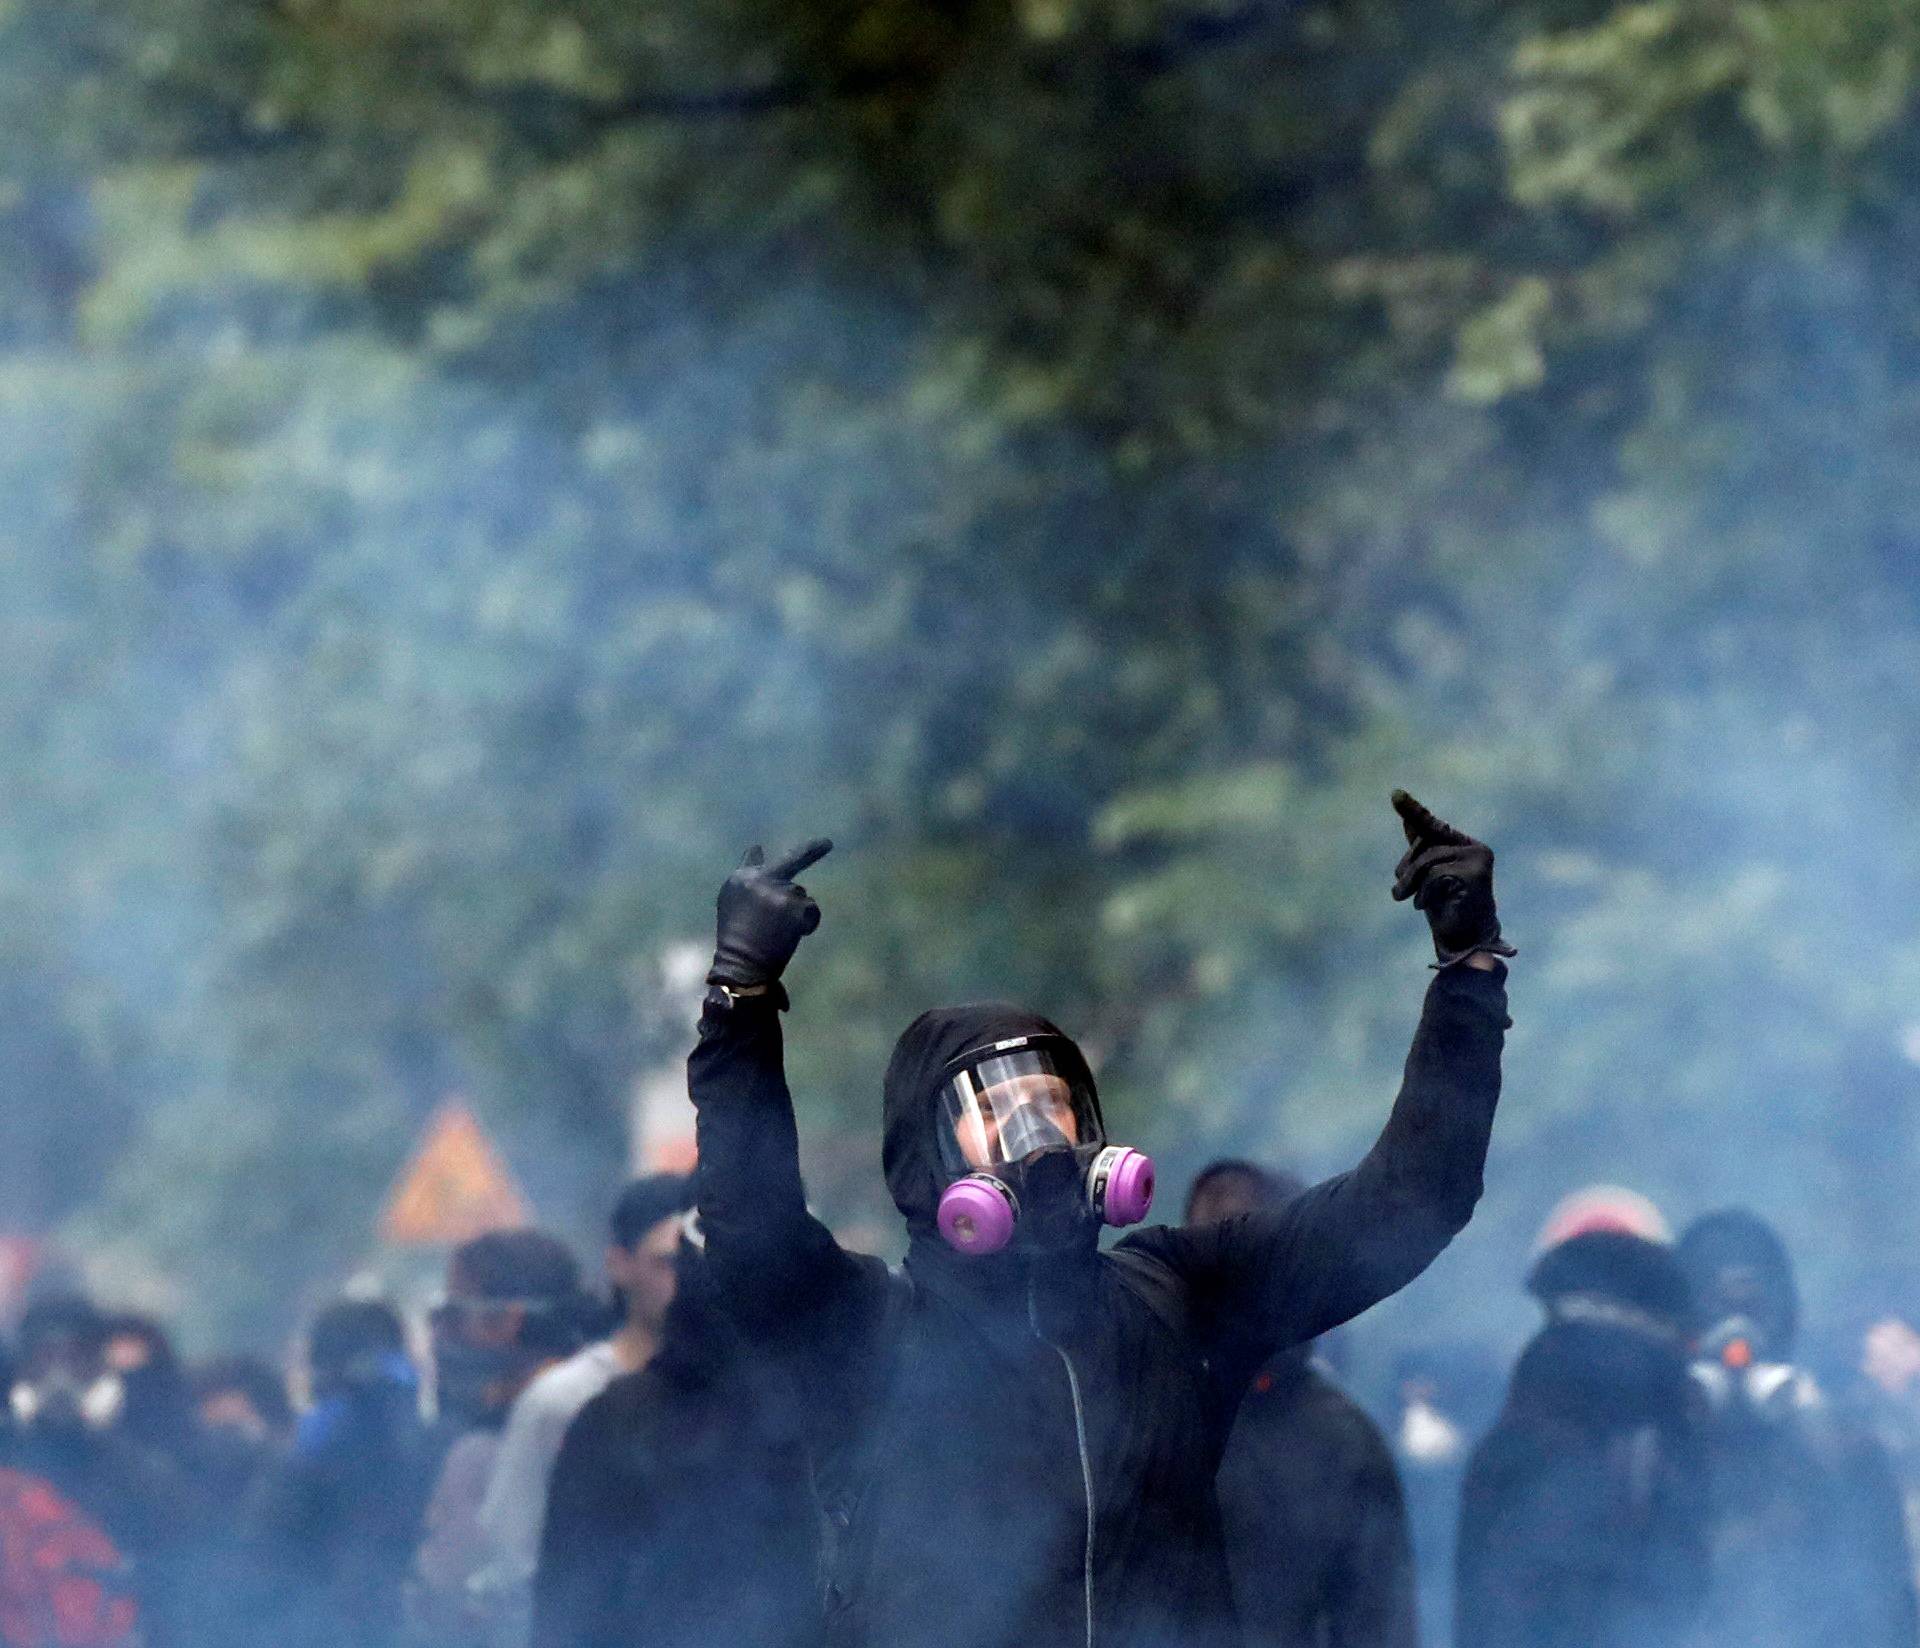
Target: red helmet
x,y
1603,1207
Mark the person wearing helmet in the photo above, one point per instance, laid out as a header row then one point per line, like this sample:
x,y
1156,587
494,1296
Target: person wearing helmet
x,y
1809,1533
1583,1517
1015,1435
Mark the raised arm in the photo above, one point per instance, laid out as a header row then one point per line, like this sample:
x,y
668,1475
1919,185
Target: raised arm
x,y
778,1268
1263,1281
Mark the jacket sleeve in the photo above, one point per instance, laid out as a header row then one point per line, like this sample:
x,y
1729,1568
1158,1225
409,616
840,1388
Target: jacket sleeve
x,y
784,1279
1264,1281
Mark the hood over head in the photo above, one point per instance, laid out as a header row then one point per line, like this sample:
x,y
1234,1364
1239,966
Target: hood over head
x,y
910,1148
1737,1265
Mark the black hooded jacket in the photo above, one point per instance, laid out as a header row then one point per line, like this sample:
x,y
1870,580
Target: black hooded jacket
x,y
1017,1450
1809,1537
679,1513
1584,1516
1317,1537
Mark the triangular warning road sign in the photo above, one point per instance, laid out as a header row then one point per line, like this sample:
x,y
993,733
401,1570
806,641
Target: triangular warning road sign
x,y
456,1186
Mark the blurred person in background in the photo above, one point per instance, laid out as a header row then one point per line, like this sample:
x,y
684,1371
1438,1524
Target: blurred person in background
x,y
1809,1531
1444,1397
1890,1374
1584,1514
245,1421
68,1404
513,1307
1316,1529
156,1407
334,1524
681,1511
1016,1435
243,1428
64,1583
641,1244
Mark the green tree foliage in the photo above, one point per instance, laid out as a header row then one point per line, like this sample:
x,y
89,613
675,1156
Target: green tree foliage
x,y
473,464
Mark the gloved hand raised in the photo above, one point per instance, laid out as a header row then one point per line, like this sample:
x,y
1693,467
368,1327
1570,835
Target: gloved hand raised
x,y
1449,876
763,916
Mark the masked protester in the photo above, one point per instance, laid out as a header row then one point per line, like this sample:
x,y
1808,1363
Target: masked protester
x,y
640,1255
1316,1527
157,1415
1015,1435
332,1526
245,1423
513,1308
1809,1534
62,1575
681,1512
156,1408
1583,1519
67,1404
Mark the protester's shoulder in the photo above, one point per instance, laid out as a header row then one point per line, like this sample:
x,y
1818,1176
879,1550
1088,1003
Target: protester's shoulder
x,y
1513,1444
1336,1413
622,1431
623,1399
564,1387
1153,1264
1306,1420
1153,1254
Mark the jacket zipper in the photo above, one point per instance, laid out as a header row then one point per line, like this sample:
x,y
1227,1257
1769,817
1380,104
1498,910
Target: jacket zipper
x,y
1086,1458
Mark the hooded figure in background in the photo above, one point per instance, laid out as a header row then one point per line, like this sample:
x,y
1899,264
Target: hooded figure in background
x,y
332,1526
1316,1526
57,1563
1809,1531
1015,1435
1583,1519
68,1404
513,1307
642,1266
680,1512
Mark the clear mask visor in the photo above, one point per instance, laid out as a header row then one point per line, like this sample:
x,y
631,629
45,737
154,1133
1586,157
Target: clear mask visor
x,y
1004,1107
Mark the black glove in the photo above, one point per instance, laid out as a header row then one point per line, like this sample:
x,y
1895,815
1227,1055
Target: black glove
x,y
763,916
1449,876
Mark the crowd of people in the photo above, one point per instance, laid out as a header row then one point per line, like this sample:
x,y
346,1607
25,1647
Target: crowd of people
x,y
1661,1472
1022,1434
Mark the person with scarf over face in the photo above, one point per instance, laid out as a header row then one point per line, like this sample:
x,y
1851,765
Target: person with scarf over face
x,y
1583,1517
1014,1436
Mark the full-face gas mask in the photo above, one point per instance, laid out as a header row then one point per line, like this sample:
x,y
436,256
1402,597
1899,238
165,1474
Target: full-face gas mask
x,y
60,1399
1740,1381
1020,1135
